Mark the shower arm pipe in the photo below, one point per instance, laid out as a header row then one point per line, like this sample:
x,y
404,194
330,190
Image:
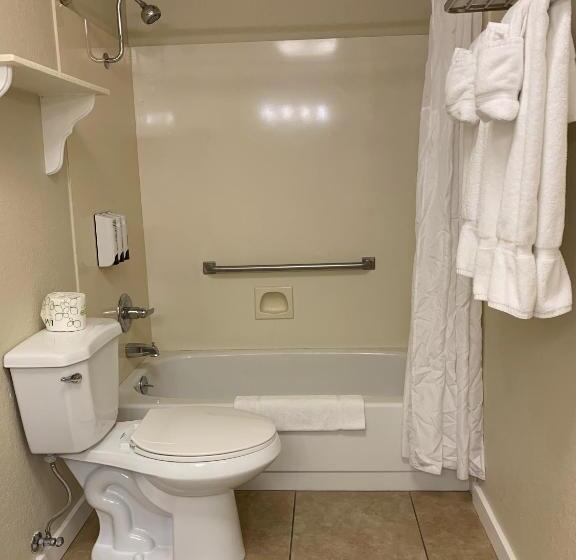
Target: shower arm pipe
x,y
106,59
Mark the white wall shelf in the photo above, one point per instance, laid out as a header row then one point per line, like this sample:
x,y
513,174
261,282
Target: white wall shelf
x,y
64,100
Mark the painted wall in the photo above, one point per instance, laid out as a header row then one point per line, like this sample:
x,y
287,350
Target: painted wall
x,y
224,21
37,236
27,29
103,175
530,419
37,257
279,152
219,21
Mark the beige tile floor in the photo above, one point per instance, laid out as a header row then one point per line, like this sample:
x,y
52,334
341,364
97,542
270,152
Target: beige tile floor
x,y
348,526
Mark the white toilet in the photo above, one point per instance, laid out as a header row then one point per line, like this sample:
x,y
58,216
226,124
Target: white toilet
x,y
163,486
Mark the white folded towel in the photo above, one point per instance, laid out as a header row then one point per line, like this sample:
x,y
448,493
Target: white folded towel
x,y
497,47
554,290
461,105
500,73
513,246
460,86
470,201
308,413
513,278
498,140
483,185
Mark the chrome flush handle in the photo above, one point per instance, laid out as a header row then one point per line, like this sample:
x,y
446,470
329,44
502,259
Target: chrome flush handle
x,y
74,378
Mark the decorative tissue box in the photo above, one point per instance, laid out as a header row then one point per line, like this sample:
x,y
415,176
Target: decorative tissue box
x,y
64,311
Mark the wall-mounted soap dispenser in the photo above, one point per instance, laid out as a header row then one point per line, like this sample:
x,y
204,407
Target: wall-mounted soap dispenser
x,y
111,238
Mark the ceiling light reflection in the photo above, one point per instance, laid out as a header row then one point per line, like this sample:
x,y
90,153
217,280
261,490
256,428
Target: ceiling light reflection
x,y
322,113
308,47
288,113
161,118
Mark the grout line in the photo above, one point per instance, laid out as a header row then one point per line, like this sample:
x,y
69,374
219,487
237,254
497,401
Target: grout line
x,y
418,524
292,528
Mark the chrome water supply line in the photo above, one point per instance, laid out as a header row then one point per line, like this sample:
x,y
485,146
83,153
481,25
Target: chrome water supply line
x,y
42,540
149,15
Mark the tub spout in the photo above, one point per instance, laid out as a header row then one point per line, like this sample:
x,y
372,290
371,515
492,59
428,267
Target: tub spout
x,y
139,350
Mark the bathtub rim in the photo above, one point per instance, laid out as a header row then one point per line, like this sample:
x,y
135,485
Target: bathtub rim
x,y
133,402
130,398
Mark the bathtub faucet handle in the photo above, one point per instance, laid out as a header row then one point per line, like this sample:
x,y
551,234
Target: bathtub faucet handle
x,y
137,312
126,312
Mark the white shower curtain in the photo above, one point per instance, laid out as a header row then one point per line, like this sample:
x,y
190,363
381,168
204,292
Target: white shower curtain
x,y
443,395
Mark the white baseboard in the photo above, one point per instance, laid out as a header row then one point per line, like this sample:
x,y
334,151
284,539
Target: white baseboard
x,y
69,528
492,527
356,481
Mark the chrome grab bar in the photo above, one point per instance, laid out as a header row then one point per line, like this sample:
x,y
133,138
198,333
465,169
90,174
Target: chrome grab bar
x,y
367,263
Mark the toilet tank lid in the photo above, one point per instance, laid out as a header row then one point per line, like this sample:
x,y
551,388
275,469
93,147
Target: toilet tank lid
x,y
59,349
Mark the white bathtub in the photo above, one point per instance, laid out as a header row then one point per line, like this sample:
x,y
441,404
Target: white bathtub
x,y
369,460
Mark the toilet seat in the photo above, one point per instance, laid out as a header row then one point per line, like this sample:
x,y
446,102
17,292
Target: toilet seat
x,y
204,459
117,450
193,434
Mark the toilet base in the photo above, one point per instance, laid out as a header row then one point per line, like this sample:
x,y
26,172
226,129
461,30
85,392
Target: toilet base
x,y
139,521
203,527
107,552
208,528
162,510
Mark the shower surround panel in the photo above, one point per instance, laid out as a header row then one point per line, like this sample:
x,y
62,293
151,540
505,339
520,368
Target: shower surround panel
x,y
272,152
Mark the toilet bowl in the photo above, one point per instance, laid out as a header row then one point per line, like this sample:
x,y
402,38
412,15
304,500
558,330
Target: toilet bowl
x,y
180,465
163,487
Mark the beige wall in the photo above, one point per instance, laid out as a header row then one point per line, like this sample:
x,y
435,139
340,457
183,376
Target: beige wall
x,y
220,183
27,30
36,241
530,417
219,21
103,174
37,257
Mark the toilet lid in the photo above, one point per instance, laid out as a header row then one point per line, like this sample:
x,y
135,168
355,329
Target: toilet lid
x,y
200,431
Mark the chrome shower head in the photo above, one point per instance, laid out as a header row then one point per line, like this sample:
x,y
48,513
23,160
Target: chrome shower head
x,y
150,13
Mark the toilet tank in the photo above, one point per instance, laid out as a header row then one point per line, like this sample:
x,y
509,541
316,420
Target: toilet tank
x,y
66,385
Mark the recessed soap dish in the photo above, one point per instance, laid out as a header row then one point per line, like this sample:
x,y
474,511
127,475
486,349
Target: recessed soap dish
x,y
274,303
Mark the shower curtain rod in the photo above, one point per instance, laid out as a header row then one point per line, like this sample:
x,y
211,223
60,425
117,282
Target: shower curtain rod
x,y
468,6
